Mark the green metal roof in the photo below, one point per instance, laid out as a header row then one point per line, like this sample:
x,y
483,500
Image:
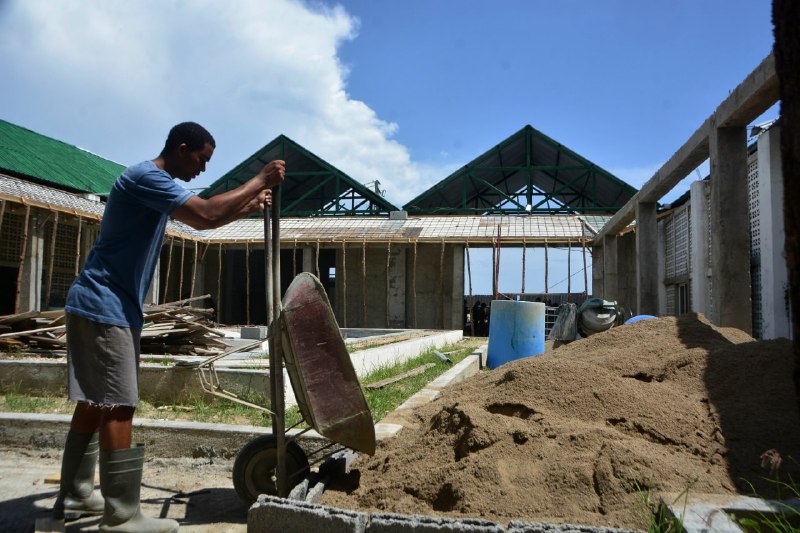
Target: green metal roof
x,y
29,155
312,186
527,173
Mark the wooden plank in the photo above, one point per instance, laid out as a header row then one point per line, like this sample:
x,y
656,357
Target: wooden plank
x,y
413,372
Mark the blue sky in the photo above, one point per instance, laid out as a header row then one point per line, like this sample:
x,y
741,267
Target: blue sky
x,y
404,92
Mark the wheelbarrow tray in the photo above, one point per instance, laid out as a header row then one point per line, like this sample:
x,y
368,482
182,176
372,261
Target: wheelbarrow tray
x,y
325,384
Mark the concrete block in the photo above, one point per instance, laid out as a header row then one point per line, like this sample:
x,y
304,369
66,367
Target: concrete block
x,y
288,516
519,526
253,332
397,523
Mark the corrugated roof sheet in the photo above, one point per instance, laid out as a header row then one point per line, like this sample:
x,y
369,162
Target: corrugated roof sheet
x,y
533,228
26,153
19,190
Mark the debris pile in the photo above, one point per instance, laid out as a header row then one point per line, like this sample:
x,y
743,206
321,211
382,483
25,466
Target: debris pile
x,y
587,432
173,328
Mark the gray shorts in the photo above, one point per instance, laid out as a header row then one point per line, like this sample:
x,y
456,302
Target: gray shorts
x,y
102,362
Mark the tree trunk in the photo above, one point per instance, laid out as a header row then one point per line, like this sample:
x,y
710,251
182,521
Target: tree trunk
x,y
786,18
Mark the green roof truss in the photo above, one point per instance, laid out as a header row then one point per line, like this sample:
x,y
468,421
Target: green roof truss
x,y
527,169
312,186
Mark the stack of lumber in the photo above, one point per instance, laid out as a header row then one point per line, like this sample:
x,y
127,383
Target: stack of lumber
x,y
32,331
172,328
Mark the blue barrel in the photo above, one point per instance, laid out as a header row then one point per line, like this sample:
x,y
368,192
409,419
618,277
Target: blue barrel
x,y
516,330
637,318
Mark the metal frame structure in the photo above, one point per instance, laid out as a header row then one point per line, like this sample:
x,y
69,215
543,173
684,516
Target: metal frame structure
x,y
527,173
312,187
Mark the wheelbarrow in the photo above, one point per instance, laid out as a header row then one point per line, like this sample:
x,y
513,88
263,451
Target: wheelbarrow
x,y
303,334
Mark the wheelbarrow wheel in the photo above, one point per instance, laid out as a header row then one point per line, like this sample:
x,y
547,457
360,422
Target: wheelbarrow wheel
x,y
255,468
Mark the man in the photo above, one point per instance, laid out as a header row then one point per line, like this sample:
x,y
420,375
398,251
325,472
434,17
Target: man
x,y
104,320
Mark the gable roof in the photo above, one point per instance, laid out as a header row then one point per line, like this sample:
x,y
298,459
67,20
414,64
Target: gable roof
x,y
527,169
312,186
32,156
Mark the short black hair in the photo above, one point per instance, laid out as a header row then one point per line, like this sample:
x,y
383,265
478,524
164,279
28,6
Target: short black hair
x,y
193,134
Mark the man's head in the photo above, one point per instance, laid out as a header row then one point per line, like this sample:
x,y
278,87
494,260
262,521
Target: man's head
x,y
188,148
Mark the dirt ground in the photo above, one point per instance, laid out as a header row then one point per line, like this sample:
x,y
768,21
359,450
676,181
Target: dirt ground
x,y
582,433
198,493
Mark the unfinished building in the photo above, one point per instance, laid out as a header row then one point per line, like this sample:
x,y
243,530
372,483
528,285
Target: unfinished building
x,y
719,250
382,266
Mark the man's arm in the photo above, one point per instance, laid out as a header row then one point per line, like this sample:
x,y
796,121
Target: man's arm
x,y
232,205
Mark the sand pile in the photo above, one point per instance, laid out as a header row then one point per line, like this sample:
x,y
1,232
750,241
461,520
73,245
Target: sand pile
x,y
569,436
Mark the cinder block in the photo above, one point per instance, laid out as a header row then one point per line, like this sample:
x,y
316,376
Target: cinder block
x,y
253,332
519,526
397,523
290,516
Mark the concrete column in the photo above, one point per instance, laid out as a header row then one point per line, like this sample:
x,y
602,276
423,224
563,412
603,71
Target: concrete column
x,y
610,267
730,228
646,259
31,284
774,273
597,271
309,260
661,259
397,288
457,289
700,271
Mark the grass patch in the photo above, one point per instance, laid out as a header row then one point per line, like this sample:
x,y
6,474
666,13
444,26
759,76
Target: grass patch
x,y
212,410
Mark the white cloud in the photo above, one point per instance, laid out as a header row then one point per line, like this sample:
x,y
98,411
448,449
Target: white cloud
x,y
117,74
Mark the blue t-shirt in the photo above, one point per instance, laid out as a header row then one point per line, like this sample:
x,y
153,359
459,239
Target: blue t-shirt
x,y
113,284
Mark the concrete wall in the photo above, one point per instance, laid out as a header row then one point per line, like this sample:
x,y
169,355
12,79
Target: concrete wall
x,y
435,286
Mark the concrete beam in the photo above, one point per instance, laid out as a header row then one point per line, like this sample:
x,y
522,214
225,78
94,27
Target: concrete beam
x,y
646,259
745,103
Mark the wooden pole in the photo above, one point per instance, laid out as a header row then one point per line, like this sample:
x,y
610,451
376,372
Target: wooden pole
x,y
471,303
169,266
180,279
414,287
23,251
546,267
78,247
585,274
50,261
317,258
388,285
194,270
219,282
364,283
344,283
441,287
523,267
494,269
2,213
294,259
569,267
247,281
